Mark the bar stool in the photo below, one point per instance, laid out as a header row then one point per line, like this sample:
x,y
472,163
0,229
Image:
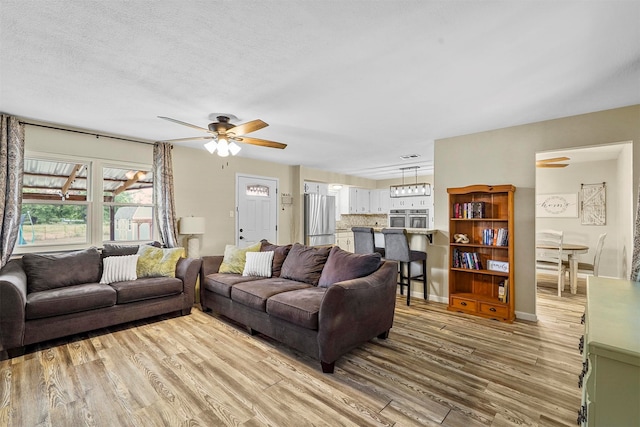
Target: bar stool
x,y
364,242
396,245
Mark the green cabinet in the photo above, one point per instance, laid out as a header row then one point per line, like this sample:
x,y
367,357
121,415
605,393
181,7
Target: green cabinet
x,y
611,354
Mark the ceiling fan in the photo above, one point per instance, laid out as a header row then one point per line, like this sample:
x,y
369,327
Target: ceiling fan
x,y
224,135
551,163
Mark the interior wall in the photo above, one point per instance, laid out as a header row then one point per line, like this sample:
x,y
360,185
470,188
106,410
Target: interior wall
x,y
205,185
569,180
626,205
507,156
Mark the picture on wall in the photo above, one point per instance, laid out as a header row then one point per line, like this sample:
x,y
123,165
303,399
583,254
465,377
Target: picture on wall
x,y
557,205
593,204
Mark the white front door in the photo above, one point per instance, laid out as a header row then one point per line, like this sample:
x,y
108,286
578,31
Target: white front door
x,y
257,210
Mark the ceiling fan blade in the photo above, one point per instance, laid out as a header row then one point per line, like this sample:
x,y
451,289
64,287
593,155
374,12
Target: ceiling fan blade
x,y
193,138
554,159
248,127
261,142
183,123
551,165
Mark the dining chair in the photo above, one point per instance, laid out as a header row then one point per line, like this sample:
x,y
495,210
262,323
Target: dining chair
x,y
587,268
364,241
396,245
551,258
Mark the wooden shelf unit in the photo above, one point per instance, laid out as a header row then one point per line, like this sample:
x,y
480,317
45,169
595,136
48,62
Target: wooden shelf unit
x,y
475,291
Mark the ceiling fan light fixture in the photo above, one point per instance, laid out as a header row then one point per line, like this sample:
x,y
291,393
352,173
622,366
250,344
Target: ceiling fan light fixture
x,y
234,148
223,147
211,146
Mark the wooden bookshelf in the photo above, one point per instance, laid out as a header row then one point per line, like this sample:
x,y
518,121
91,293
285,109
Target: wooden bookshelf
x,y
484,214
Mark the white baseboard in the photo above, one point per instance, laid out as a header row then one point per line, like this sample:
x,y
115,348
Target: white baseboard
x,y
526,316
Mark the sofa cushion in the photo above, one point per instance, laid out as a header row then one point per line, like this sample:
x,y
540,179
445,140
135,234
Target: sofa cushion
x,y
255,293
147,288
235,258
158,262
280,253
299,307
342,265
221,283
53,271
112,249
258,264
305,263
119,268
69,299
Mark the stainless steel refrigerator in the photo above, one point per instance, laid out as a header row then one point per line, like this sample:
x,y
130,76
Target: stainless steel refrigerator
x,y
319,219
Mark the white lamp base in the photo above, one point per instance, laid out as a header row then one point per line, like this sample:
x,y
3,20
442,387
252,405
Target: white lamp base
x,y
193,247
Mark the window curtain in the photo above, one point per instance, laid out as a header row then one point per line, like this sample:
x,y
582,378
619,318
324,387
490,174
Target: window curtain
x,y
11,171
635,260
163,194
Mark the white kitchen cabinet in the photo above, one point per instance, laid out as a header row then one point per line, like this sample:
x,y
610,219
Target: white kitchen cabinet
x,y
411,202
316,187
354,201
344,240
400,203
379,201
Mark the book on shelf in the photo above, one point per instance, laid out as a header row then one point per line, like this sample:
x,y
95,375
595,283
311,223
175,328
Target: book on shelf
x,y
468,260
503,291
469,210
495,237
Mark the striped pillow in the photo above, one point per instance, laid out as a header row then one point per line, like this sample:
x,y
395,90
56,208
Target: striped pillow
x,y
258,264
119,268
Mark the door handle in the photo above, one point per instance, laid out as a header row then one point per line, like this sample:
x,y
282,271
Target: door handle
x,y
241,230
240,237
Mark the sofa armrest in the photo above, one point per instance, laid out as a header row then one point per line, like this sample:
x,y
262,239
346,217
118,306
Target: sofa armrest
x,y
210,265
13,301
187,270
357,310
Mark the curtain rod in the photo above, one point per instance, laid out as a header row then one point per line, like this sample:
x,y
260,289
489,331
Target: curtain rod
x,y
97,135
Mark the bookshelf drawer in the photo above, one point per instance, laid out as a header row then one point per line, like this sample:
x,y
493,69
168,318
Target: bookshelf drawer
x,y
494,309
463,304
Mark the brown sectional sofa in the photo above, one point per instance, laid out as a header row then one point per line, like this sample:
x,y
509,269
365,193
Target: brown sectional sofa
x,y
43,297
321,301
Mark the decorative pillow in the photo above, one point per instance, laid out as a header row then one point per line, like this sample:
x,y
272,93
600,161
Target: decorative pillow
x,y
279,255
258,264
119,268
342,265
305,263
53,271
155,262
235,258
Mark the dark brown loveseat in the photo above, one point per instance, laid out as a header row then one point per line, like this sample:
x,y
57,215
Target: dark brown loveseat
x,y
60,295
321,301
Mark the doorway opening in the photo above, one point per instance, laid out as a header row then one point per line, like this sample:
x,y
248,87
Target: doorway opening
x,y
565,181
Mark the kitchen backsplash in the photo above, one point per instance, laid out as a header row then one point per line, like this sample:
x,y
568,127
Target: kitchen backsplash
x,y
348,221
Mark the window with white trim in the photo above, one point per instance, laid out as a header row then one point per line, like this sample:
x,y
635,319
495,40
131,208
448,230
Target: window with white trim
x,y
61,209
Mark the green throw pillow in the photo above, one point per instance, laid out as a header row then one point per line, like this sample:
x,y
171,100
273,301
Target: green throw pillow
x,y
154,262
235,258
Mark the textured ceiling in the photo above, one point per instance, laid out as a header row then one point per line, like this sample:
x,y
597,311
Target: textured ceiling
x,y
350,86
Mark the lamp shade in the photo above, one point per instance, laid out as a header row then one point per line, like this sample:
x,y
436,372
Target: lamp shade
x,y
192,225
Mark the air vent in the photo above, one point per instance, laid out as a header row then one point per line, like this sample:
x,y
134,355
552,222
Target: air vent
x,y
410,156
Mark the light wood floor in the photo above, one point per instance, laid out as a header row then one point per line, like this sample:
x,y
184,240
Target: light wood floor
x,y
436,368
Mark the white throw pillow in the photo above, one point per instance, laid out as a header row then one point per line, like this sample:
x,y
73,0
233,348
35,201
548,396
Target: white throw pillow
x,y
119,268
258,264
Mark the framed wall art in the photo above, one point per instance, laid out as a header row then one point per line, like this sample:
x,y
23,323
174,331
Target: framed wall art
x,y
558,205
593,204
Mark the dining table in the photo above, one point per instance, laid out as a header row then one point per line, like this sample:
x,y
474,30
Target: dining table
x,y
572,250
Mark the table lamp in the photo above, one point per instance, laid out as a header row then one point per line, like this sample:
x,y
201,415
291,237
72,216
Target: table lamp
x,y
192,226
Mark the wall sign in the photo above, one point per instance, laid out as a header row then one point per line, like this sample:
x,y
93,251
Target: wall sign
x,y
557,205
